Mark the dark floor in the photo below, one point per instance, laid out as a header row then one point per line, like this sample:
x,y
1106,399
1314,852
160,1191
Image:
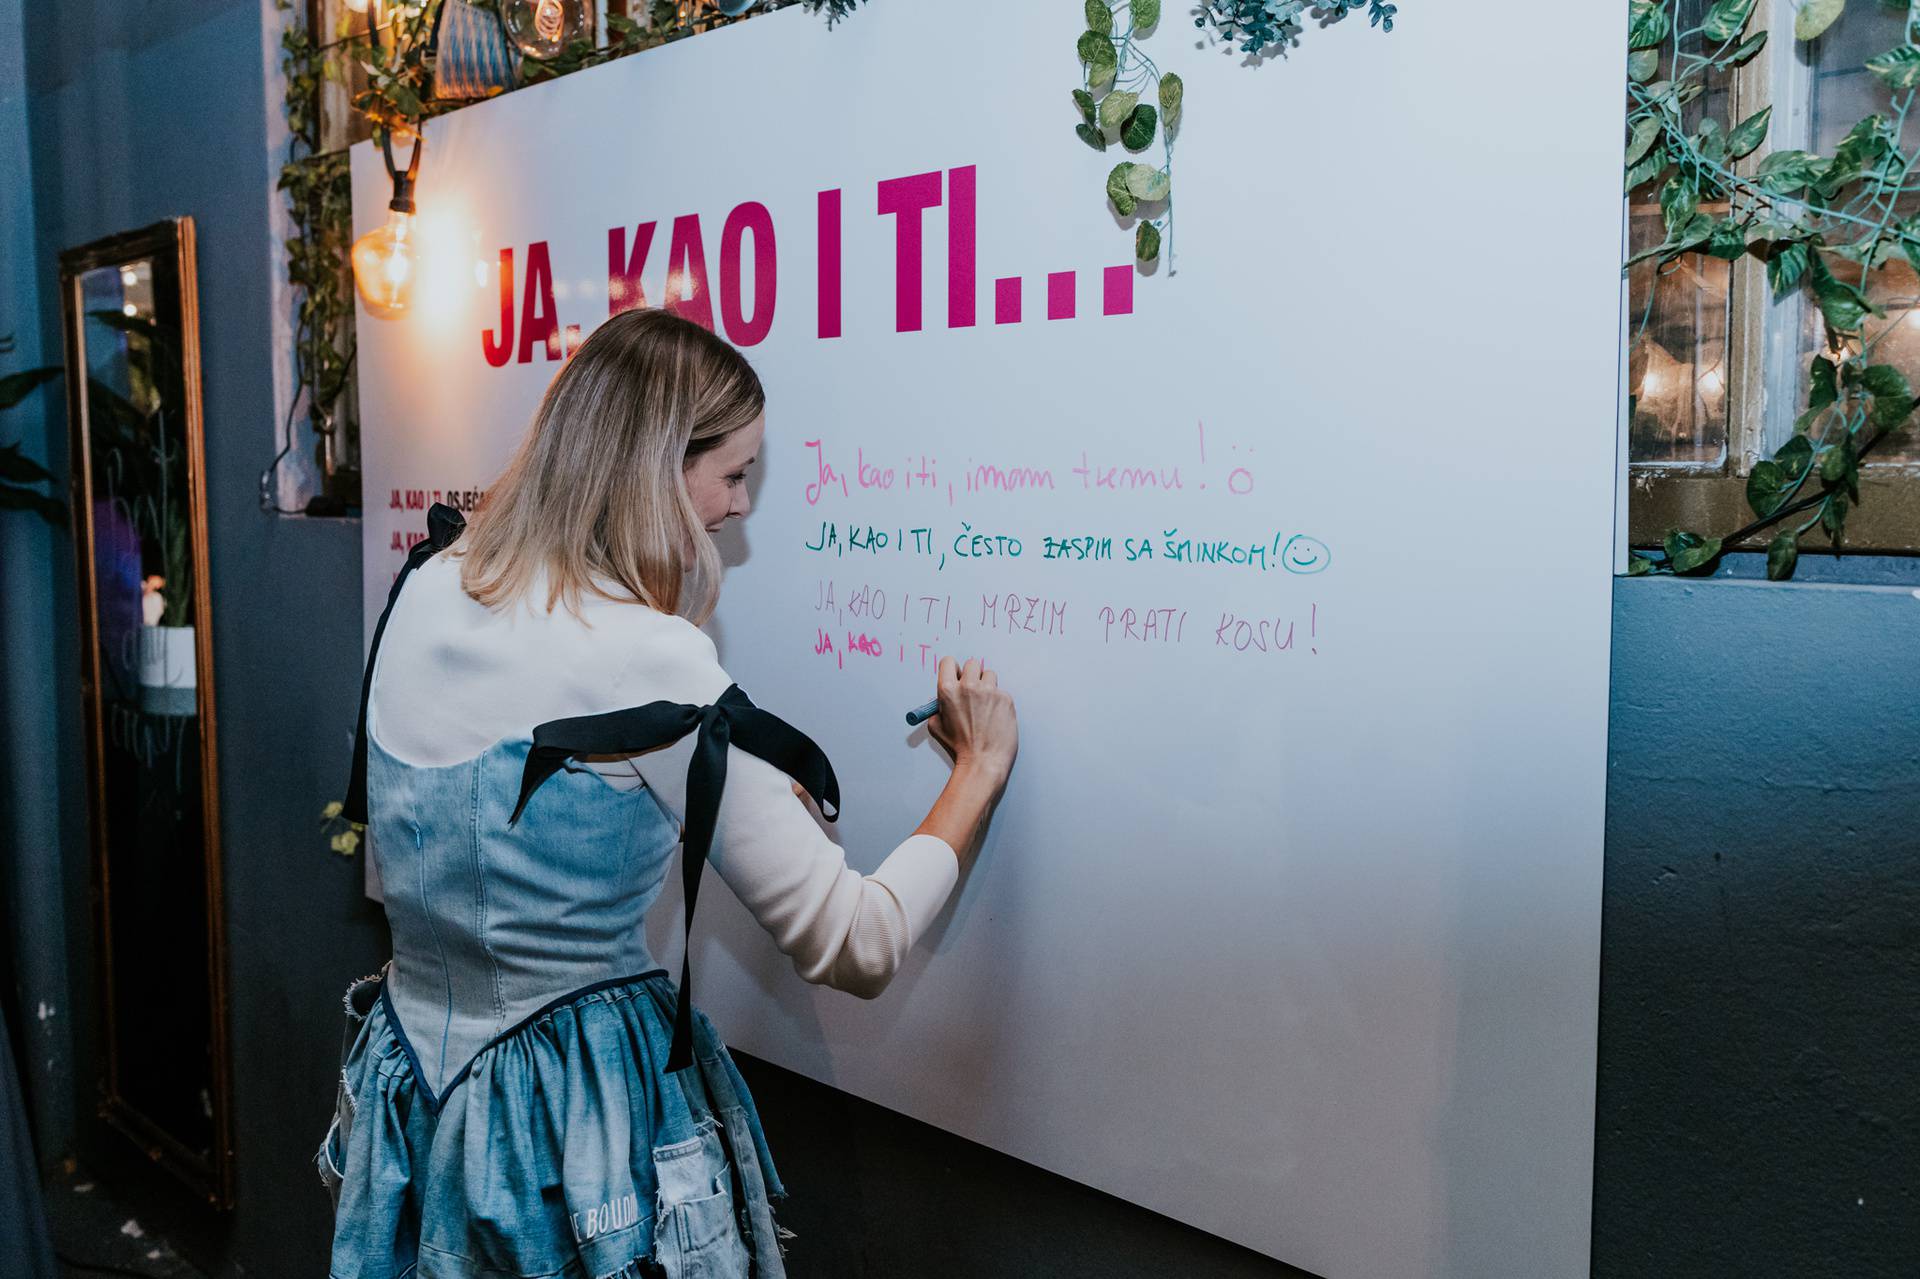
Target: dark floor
x,y
95,1234
872,1195
875,1195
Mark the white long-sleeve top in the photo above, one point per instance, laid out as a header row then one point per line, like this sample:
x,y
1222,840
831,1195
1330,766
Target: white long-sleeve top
x,y
453,677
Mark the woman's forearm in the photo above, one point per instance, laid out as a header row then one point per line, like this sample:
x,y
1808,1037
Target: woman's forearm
x,y
962,806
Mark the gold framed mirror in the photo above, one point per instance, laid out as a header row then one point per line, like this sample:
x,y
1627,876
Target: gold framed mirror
x,y
131,327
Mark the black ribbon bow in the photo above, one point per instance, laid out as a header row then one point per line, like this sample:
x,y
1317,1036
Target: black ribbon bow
x,y
444,527
731,720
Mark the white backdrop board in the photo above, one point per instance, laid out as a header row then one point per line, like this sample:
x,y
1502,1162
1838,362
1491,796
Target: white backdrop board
x,y
1288,924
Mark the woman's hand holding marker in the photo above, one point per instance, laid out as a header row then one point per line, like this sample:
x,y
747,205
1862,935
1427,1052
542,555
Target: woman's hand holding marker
x,y
976,721
977,726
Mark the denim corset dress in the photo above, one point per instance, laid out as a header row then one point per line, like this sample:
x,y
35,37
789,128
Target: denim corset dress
x,y
523,1093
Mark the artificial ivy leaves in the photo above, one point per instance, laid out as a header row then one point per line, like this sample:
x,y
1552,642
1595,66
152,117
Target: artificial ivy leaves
x,y
1110,58
1148,183
1822,225
1096,51
1113,62
1131,185
1815,16
1117,109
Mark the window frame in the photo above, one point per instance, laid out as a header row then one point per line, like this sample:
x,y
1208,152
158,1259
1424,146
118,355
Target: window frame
x,y
1763,357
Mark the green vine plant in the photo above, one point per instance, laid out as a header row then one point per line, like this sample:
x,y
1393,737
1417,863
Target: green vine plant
x,y
397,99
319,196
1822,224
1121,74
1118,75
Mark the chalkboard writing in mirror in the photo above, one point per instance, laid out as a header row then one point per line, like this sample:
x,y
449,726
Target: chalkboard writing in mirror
x,y
138,488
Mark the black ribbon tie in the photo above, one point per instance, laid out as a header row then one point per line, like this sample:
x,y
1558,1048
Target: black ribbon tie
x,y
732,720
444,527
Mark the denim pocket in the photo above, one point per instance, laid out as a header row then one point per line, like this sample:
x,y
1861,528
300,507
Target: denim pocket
x,y
697,1231
754,1209
333,1152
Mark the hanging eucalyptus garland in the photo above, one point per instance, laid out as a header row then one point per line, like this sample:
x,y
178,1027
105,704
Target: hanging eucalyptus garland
x,y
1268,26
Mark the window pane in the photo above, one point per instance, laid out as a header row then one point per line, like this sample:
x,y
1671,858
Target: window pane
x,y
1844,93
332,20
1677,343
1677,314
345,76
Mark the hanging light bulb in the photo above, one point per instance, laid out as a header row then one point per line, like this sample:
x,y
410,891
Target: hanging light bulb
x,y
386,260
543,27
383,266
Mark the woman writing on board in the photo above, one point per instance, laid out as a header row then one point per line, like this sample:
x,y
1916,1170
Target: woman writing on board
x,y
525,1093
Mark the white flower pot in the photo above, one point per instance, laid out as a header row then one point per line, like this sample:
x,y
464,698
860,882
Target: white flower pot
x,y
167,670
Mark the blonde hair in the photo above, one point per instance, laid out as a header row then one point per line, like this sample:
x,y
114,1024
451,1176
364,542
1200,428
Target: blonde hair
x,y
596,493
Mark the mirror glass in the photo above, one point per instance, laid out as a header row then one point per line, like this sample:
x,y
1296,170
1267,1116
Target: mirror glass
x,y
133,388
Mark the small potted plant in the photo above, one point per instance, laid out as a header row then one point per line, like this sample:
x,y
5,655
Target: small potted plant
x,y
167,670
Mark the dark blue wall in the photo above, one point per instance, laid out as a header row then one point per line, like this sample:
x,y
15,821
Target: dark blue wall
x,y
32,880
1760,976
1759,1103
139,112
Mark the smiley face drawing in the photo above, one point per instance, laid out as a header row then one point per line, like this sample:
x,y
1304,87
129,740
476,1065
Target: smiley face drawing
x,y
1303,554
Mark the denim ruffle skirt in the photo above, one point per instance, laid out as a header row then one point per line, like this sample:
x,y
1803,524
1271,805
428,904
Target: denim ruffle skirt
x,y
564,1150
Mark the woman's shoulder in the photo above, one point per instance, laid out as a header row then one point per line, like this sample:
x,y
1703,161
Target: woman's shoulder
x,y
667,657
612,652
